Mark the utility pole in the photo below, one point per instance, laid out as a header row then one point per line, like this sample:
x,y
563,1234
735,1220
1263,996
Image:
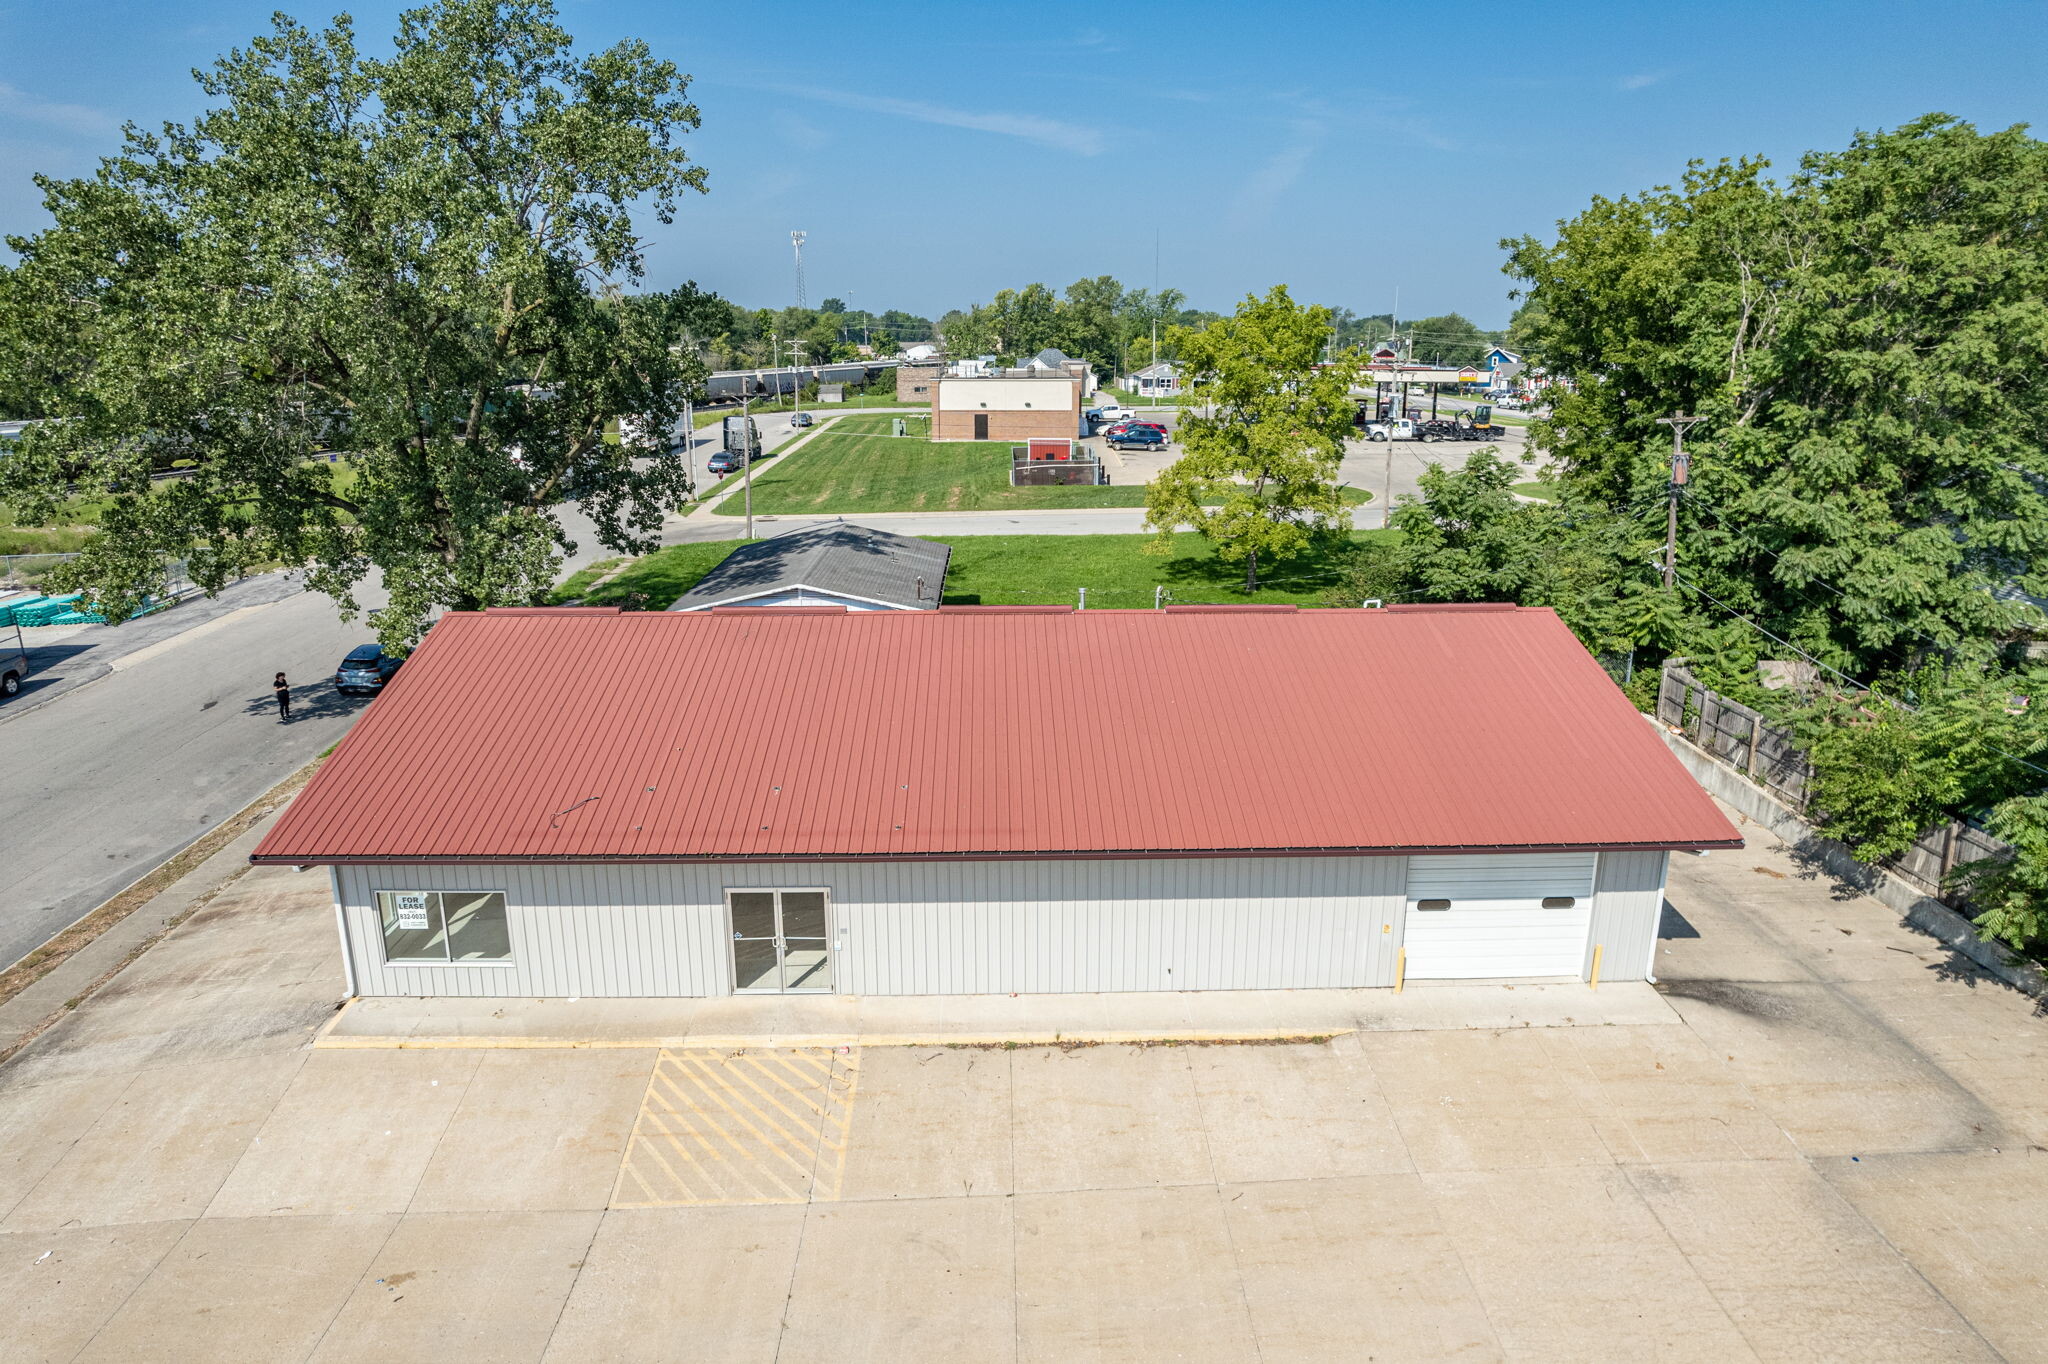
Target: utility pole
x,y
1678,422
690,440
796,382
747,458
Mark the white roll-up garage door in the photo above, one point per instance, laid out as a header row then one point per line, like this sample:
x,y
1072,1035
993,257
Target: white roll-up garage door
x,y
1498,914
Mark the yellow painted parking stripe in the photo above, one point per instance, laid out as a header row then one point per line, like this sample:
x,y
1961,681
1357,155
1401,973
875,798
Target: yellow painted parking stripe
x,y
747,1153
740,1073
717,1089
750,1125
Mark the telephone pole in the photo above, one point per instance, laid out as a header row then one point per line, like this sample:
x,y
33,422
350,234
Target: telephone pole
x,y
1678,422
747,458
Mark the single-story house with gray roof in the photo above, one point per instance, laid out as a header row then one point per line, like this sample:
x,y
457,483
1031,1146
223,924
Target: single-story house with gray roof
x,y
836,564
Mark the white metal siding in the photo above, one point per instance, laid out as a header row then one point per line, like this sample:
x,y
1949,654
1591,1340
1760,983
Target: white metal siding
x,y
1496,925
919,927
1628,906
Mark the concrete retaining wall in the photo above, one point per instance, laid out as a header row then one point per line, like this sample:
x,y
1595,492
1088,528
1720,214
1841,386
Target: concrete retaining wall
x,y
1917,909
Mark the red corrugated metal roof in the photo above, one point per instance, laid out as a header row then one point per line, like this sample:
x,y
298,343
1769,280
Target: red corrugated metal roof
x,y
906,734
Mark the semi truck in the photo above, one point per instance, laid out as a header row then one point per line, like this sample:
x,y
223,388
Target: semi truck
x,y
742,437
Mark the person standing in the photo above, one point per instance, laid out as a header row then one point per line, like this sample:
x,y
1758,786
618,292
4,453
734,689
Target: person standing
x,y
284,699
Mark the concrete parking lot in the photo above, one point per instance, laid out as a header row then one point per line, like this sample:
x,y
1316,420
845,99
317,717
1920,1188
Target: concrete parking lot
x,y
1386,469
1828,1145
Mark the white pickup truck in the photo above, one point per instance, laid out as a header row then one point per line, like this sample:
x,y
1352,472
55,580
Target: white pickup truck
x,y
1111,415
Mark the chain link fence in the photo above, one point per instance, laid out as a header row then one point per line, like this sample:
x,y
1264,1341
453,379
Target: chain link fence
x,y
29,573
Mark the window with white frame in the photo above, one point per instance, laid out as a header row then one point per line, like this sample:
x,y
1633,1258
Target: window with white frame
x,y
431,927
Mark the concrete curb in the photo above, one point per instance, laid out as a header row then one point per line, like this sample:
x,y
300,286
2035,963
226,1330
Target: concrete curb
x,y
1917,909
730,1041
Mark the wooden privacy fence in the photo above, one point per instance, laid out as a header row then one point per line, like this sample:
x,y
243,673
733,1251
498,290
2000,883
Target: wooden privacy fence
x,y
1736,735
1739,737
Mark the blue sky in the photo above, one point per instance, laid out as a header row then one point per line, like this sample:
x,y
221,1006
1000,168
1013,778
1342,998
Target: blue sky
x,y
937,153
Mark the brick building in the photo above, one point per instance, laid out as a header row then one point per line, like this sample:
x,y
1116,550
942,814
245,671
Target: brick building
x,y
1012,406
915,381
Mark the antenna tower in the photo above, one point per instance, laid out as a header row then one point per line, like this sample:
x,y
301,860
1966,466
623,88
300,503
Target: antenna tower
x,y
796,241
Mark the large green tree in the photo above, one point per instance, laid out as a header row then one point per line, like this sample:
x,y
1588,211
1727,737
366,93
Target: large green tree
x,y
1469,538
1259,472
401,261
1868,342
1090,322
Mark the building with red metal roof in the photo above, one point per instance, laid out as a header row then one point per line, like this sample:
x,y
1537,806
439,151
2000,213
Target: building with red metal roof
x,y
994,799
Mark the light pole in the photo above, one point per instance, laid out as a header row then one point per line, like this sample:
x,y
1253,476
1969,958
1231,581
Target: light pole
x,y
1678,422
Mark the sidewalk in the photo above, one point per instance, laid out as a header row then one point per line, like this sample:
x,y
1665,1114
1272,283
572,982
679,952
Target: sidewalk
x,y
983,1020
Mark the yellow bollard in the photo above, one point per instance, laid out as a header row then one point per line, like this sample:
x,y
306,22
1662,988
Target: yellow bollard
x,y
1400,970
1594,983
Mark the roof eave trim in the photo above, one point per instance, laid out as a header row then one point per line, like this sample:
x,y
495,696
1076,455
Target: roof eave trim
x,y
1075,855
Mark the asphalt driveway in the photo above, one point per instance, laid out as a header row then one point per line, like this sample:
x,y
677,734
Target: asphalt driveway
x,y
1828,1146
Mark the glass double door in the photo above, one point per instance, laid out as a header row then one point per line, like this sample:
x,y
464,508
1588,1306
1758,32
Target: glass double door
x,y
780,941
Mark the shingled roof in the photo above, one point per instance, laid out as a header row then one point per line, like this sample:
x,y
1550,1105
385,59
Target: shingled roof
x,y
857,563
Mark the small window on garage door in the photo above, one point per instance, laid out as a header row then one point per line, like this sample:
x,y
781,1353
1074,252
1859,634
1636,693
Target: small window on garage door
x,y
1480,917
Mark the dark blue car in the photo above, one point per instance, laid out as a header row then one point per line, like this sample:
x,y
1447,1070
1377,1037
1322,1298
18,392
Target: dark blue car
x,y
1123,438
366,669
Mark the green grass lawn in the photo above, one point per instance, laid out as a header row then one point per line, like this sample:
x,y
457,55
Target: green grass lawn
x,y
1004,570
656,580
1118,571
573,587
855,467
1543,492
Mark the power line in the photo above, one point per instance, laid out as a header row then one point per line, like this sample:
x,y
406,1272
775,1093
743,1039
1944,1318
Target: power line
x,y
1909,708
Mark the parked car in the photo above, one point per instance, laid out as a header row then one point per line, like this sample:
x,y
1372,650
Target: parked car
x,y
1114,413
800,419
1135,436
724,462
13,664
366,669
1154,425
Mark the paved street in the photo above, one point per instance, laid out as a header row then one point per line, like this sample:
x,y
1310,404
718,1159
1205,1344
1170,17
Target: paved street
x,y
1823,1140
143,736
